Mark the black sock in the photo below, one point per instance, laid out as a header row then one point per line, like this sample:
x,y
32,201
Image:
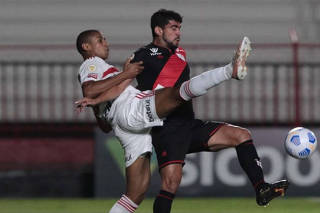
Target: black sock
x,y
250,162
162,203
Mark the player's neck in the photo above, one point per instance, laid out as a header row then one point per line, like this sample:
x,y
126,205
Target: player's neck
x,y
160,43
164,45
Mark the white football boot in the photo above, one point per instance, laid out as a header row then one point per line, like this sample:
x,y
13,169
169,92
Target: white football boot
x,y
240,58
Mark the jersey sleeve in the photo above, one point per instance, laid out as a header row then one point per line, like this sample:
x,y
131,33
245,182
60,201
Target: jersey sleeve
x,y
138,55
96,70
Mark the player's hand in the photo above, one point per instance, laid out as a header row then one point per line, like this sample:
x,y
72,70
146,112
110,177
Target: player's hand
x,y
132,69
85,102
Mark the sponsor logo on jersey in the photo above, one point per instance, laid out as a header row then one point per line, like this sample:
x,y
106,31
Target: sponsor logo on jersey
x,y
92,67
148,108
154,51
93,75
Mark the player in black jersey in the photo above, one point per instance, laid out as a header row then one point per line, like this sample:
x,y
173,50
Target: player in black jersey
x,y
165,66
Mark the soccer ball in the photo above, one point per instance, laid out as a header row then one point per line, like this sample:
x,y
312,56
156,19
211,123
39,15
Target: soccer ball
x,y
300,142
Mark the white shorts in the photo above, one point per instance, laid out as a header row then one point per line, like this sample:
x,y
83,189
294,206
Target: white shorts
x,y
132,116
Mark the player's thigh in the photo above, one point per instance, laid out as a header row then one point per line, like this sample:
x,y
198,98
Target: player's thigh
x,y
228,136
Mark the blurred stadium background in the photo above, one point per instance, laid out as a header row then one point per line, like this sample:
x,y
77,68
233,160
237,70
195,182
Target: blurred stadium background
x,y
48,150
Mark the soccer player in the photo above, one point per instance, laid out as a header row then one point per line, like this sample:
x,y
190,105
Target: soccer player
x,y
165,65
132,113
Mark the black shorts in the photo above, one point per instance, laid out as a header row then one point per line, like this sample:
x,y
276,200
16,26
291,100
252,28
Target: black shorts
x,y
177,138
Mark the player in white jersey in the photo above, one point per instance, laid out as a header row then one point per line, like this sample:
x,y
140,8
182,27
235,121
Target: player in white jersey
x,y
132,132
132,113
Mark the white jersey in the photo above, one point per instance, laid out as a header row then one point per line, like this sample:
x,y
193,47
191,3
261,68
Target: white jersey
x,y
131,115
96,69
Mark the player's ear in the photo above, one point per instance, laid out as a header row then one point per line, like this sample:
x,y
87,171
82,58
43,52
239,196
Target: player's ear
x,y
158,30
85,46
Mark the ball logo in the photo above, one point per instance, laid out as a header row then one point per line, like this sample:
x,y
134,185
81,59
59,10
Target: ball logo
x,y
295,140
312,139
304,153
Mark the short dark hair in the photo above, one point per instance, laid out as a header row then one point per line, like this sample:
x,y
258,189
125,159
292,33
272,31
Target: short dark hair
x,y
84,37
162,17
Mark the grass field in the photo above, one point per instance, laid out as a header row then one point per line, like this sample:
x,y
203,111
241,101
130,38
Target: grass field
x,y
196,205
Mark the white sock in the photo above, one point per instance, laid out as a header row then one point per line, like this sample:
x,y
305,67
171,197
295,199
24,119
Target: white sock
x,y
124,205
200,84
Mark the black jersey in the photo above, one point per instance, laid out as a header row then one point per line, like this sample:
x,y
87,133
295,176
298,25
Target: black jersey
x,y
164,68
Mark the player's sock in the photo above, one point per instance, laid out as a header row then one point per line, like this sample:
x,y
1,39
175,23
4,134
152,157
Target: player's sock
x,y
250,162
200,84
163,202
124,205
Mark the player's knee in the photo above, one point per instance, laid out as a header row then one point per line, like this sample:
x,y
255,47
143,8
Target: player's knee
x,y
171,183
243,135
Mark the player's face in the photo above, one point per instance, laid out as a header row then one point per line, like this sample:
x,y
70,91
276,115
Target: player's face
x,y
171,34
99,46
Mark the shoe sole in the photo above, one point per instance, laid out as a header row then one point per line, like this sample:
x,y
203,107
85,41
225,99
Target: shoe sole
x,y
280,188
244,50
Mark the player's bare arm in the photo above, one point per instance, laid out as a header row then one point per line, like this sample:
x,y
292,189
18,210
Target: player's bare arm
x,y
107,95
92,89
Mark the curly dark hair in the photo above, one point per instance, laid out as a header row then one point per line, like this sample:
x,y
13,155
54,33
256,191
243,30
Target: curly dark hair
x,y
162,17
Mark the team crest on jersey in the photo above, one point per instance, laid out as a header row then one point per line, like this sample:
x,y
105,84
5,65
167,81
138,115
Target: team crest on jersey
x,y
154,51
92,67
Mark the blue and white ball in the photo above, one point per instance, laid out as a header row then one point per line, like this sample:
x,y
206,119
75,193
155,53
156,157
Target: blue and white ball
x,y
300,143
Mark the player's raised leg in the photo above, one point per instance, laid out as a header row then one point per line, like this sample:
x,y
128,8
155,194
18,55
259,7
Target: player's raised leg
x,y
200,84
168,99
